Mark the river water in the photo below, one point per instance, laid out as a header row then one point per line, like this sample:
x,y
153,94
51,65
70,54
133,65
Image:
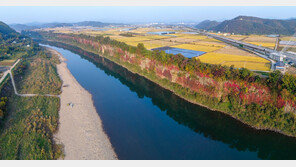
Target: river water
x,y
145,121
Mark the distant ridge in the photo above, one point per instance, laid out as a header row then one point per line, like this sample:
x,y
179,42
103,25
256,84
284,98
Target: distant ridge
x,y
21,27
253,25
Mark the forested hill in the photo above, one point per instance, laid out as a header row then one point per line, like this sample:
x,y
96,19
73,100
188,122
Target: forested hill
x,y
13,45
207,24
6,31
253,25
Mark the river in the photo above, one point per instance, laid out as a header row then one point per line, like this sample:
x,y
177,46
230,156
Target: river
x,y
145,121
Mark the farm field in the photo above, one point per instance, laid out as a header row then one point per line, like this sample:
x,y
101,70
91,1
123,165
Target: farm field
x,y
288,38
234,51
261,40
180,40
146,30
198,47
263,44
238,37
151,44
140,38
252,63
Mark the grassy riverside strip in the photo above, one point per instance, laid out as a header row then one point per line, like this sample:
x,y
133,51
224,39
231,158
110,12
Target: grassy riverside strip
x,y
261,115
30,122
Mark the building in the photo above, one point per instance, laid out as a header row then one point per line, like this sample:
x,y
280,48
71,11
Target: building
x,y
280,65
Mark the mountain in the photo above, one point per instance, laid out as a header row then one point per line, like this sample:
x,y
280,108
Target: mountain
x,y
255,25
6,31
21,27
207,24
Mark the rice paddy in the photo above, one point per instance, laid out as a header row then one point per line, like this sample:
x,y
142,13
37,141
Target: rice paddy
x,y
288,38
252,63
264,44
199,47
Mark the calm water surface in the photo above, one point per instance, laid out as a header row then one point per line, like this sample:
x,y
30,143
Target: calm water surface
x,y
185,52
145,121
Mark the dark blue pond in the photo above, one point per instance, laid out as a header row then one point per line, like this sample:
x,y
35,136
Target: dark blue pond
x,y
145,121
185,52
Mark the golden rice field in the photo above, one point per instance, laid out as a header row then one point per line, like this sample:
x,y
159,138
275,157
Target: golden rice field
x,y
213,44
288,38
211,40
190,36
263,44
252,63
198,47
180,40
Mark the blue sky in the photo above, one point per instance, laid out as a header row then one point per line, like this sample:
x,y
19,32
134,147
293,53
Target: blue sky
x,y
135,14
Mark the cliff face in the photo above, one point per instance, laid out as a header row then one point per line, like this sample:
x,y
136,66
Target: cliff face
x,y
204,85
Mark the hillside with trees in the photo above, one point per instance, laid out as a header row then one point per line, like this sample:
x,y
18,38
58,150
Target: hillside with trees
x,y
6,31
27,124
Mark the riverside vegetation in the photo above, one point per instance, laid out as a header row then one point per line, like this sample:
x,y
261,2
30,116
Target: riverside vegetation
x,y
30,122
27,124
263,103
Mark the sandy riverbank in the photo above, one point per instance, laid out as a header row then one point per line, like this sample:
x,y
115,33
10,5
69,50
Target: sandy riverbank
x,y
80,129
